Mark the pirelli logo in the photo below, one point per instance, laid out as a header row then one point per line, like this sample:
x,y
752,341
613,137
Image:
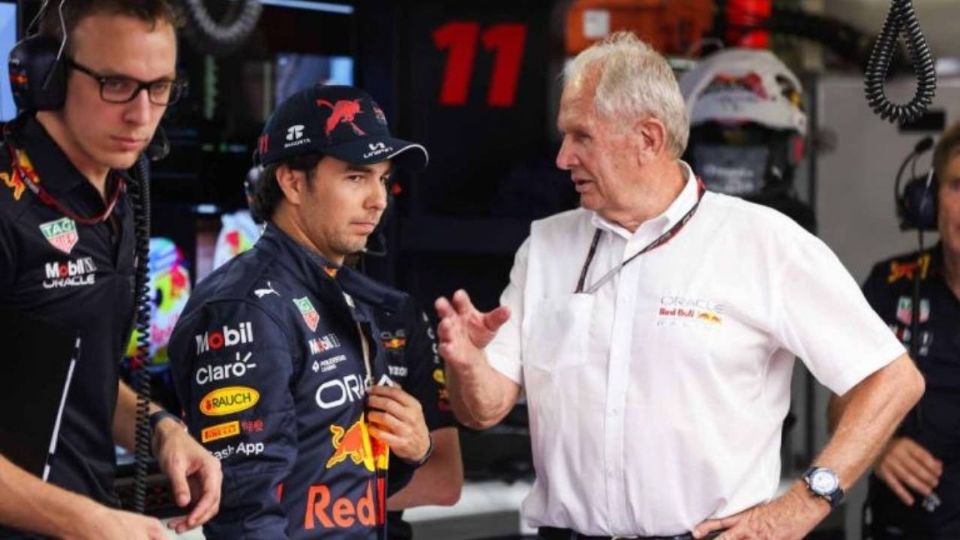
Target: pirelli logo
x,y
220,431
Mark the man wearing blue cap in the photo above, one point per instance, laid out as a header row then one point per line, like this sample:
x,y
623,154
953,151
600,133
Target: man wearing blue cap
x,y
277,364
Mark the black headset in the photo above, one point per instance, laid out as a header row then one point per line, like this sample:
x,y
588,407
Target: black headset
x,y
917,204
38,73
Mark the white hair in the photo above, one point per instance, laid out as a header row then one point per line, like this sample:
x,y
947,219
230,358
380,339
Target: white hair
x,y
634,80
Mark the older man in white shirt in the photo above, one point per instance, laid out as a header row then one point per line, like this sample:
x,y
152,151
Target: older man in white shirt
x,y
654,332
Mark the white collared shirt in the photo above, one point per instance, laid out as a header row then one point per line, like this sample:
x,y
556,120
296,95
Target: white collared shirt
x,y
658,401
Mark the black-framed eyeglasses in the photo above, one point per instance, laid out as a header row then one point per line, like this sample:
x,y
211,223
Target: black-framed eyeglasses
x,y
120,89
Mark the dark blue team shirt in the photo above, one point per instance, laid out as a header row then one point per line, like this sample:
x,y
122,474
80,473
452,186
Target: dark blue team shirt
x,y
79,277
268,364
935,421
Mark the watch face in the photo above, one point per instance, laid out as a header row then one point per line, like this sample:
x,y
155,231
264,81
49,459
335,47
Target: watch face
x,y
823,482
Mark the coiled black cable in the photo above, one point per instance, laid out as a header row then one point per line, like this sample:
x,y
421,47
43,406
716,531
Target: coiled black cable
x,y
219,38
140,197
901,19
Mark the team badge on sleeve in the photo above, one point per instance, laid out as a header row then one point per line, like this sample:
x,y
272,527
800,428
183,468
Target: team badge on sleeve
x,y
309,313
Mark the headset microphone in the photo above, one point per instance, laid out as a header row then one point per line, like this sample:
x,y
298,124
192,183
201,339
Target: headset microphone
x,y
925,144
159,146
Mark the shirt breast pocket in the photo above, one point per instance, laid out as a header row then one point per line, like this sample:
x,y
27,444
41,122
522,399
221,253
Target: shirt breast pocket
x,y
557,330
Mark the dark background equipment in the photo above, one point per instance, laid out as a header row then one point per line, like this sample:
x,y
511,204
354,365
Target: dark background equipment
x,y
901,19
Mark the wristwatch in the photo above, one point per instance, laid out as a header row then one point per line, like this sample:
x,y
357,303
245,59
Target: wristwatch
x,y
823,483
157,416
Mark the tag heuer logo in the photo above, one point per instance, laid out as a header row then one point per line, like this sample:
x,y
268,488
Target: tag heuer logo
x,y
310,315
62,233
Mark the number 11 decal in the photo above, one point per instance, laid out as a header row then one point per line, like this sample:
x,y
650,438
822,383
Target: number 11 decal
x,y
460,39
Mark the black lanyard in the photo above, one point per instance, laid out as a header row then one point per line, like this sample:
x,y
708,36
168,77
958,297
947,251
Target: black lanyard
x,y
661,240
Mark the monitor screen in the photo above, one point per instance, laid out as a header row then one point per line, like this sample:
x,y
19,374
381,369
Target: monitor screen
x,y
296,71
8,37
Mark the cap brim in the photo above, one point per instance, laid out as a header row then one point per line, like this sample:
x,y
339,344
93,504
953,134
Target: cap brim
x,y
404,154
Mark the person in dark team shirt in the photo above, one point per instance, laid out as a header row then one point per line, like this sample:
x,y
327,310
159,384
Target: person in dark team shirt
x,y
67,259
914,491
409,339
277,360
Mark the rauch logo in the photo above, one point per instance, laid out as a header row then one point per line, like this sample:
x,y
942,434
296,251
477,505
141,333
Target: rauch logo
x,y
229,400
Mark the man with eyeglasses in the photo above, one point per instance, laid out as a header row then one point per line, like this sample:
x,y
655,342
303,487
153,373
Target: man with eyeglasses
x,y
122,89
67,259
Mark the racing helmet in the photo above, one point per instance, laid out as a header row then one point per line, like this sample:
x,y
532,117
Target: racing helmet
x,y
747,122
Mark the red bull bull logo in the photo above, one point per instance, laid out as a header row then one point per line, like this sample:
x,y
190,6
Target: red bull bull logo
x,y
395,343
344,111
342,512
901,270
359,446
751,82
18,79
709,317
15,183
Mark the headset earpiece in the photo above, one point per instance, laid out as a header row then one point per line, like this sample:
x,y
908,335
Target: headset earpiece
x,y
38,77
917,205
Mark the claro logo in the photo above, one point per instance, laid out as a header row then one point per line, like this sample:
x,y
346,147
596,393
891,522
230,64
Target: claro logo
x,y
229,400
212,373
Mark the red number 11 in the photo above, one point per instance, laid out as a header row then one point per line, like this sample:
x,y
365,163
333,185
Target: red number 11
x,y
461,38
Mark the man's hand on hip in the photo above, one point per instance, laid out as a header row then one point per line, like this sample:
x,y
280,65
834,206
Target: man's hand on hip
x,y
790,516
464,331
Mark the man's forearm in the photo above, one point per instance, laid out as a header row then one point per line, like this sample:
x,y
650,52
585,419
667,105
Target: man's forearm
x,y
440,480
873,409
870,414
30,504
125,417
835,409
480,395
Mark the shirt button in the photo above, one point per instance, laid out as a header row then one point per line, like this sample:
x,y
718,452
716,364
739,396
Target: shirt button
x,y
614,411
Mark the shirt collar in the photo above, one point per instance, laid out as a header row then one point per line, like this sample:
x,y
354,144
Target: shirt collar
x,y
54,170
678,208
57,174
307,265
